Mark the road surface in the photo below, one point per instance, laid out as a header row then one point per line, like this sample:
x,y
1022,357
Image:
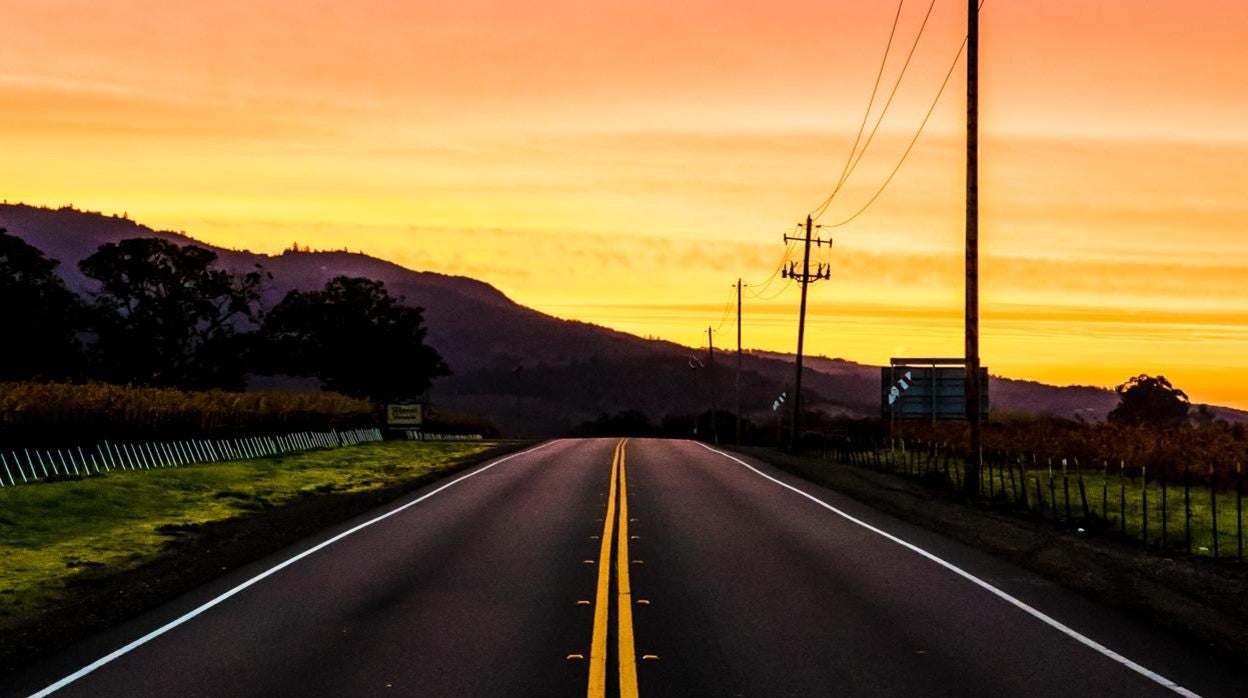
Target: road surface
x,y
646,567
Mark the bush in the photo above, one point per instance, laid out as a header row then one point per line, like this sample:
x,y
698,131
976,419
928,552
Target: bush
x,y
37,414
1218,446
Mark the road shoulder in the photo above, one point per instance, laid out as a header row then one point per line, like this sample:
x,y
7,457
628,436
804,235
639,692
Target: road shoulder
x,y
200,556
1201,601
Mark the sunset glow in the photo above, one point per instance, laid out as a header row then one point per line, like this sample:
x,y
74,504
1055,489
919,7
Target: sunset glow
x,y
623,162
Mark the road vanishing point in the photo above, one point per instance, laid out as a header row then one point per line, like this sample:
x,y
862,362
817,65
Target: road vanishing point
x,y
632,567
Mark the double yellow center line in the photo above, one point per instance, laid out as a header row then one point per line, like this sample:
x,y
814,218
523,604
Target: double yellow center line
x,y
626,651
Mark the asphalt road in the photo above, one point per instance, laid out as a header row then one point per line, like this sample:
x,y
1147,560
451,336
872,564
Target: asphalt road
x,y
658,568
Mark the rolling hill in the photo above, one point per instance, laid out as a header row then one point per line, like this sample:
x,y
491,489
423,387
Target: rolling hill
x,y
531,372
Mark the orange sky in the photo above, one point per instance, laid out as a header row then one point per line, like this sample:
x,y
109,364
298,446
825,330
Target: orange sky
x,y
623,162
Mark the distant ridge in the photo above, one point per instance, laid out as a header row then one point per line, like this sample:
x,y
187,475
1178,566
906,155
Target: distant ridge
x,y
1090,403
472,322
569,371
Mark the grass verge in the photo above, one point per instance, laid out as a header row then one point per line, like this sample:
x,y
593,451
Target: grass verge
x,y
81,555
1155,514
1122,503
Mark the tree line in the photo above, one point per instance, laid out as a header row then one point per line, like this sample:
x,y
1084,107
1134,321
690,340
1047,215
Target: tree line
x,y
165,315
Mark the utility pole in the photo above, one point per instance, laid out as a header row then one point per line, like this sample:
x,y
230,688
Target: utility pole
x,y
738,363
975,455
805,278
694,364
710,372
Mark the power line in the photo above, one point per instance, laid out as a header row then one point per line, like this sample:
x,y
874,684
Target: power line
x,y
767,297
766,284
879,119
723,316
909,147
867,113
944,83
897,85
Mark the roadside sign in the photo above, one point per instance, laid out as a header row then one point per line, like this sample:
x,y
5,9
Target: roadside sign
x,y
932,389
405,415
775,404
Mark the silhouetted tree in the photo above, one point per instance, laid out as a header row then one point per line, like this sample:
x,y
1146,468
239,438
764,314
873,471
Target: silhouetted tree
x,y
354,336
164,315
1150,400
1204,417
39,316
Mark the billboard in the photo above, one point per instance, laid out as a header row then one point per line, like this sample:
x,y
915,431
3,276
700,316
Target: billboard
x,y
933,389
406,415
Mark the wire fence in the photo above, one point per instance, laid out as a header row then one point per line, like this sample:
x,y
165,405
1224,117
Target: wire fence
x,y
1183,509
26,466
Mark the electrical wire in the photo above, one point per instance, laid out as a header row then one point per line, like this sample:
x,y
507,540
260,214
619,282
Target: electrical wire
x,y
762,297
880,120
910,146
866,114
766,284
855,155
723,316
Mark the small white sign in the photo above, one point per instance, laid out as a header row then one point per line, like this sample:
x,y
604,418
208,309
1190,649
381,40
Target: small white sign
x,y
405,415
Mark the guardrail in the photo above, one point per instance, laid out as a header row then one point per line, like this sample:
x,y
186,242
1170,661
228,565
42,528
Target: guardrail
x,y
75,463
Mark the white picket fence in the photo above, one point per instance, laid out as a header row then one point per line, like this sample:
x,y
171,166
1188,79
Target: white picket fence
x,y
65,463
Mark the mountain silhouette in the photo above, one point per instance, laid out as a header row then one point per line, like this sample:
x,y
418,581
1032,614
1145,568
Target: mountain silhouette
x,y
534,373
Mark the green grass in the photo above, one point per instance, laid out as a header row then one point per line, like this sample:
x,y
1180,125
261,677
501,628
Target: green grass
x,y
1115,502
51,533
1108,494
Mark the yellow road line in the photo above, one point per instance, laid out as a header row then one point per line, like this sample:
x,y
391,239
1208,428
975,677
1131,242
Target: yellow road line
x,y
627,649
598,647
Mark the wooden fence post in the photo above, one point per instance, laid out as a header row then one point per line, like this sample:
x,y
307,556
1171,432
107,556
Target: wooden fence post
x,y
1083,492
1187,507
1122,495
1066,488
1213,507
1165,508
1239,513
1052,491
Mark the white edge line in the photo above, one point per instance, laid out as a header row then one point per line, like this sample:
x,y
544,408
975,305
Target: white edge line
x,y
1052,622
267,573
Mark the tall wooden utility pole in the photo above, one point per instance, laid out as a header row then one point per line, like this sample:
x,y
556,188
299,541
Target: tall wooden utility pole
x,y
975,454
738,363
805,278
710,373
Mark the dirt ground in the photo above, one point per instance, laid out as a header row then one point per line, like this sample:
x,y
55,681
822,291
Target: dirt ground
x,y
195,556
1203,600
